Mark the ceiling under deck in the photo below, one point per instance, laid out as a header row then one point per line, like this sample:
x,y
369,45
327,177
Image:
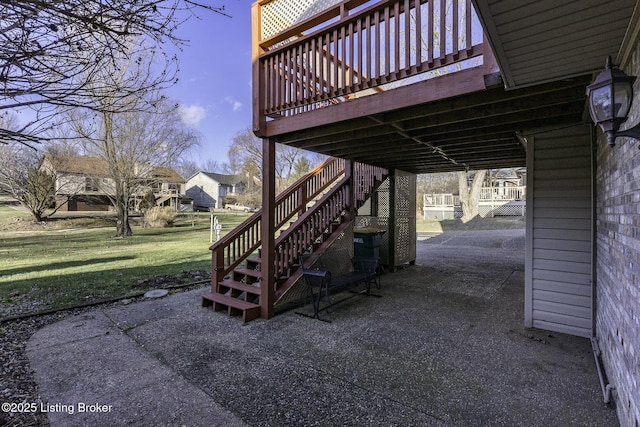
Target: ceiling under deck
x,y
475,131
547,52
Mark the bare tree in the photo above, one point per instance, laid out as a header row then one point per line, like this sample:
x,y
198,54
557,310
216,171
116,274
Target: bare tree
x,y
20,177
245,159
300,168
442,182
49,50
17,178
134,140
287,158
186,168
245,152
212,166
470,196
25,177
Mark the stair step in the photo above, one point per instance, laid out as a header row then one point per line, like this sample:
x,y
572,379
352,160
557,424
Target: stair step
x,y
248,310
255,260
254,290
248,272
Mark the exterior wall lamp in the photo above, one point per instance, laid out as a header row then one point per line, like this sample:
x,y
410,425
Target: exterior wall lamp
x,y
610,97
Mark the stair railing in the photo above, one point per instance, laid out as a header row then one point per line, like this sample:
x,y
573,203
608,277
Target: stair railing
x,y
312,224
245,239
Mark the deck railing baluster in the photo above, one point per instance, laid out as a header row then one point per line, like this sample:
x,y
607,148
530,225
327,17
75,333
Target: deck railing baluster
x,y
430,35
418,35
395,39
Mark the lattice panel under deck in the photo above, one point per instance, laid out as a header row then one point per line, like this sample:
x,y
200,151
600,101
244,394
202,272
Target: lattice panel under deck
x,y
383,208
278,15
405,214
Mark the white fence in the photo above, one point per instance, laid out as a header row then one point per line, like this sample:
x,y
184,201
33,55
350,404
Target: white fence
x,y
494,201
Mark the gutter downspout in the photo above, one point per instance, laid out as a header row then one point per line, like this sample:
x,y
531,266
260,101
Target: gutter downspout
x,y
608,388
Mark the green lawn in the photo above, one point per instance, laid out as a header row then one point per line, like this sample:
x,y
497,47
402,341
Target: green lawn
x,y
53,268
76,261
8,214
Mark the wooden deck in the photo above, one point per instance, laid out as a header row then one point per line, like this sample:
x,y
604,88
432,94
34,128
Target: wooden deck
x,y
494,201
375,82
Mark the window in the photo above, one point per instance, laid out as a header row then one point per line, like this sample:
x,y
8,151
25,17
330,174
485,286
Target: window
x,y
90,184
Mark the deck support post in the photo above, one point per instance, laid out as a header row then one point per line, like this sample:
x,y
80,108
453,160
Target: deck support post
x,y
267,228
351,192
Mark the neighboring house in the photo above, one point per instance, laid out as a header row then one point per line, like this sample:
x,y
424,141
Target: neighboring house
x,y
209,190
168,187
507,178
506,184
83,184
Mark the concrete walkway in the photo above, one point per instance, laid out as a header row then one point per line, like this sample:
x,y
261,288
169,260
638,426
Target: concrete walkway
x,y
444,345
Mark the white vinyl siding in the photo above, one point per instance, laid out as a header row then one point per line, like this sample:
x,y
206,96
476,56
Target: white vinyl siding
x,y
204,191
559,272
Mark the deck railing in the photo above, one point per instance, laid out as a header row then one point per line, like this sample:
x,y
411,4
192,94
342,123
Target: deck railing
x,y
352,46
503,193
289,246
487,194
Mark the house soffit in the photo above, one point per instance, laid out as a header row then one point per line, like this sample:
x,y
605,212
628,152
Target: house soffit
x,y
537,41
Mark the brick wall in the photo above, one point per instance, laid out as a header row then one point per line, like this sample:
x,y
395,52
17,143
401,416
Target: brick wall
x,y
618,263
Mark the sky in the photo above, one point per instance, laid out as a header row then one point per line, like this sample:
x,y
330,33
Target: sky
x,y
214,86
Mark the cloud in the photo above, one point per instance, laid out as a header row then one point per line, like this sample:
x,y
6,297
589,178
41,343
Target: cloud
x,y
236,105
191,114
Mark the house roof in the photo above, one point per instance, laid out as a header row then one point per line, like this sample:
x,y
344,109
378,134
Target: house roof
x,y
168,174
93,166
506,174
78,165
222,178
547,40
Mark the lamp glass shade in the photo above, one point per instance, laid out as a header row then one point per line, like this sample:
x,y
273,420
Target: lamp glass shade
x,y
600,101
622,96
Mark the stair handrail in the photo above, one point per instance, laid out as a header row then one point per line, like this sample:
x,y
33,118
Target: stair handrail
x,y
296,197
235,247
300,236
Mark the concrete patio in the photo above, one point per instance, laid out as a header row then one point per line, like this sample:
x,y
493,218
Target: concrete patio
x,y
445,345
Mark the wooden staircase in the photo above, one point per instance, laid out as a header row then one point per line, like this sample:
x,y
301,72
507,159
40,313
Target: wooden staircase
x,y
239,294
310,215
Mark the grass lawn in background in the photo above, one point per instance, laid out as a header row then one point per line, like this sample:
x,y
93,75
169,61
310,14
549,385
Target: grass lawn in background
x,y
7,215
53,268
76,260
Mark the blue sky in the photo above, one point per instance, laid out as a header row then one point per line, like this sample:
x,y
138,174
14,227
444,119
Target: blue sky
x,y
214,87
